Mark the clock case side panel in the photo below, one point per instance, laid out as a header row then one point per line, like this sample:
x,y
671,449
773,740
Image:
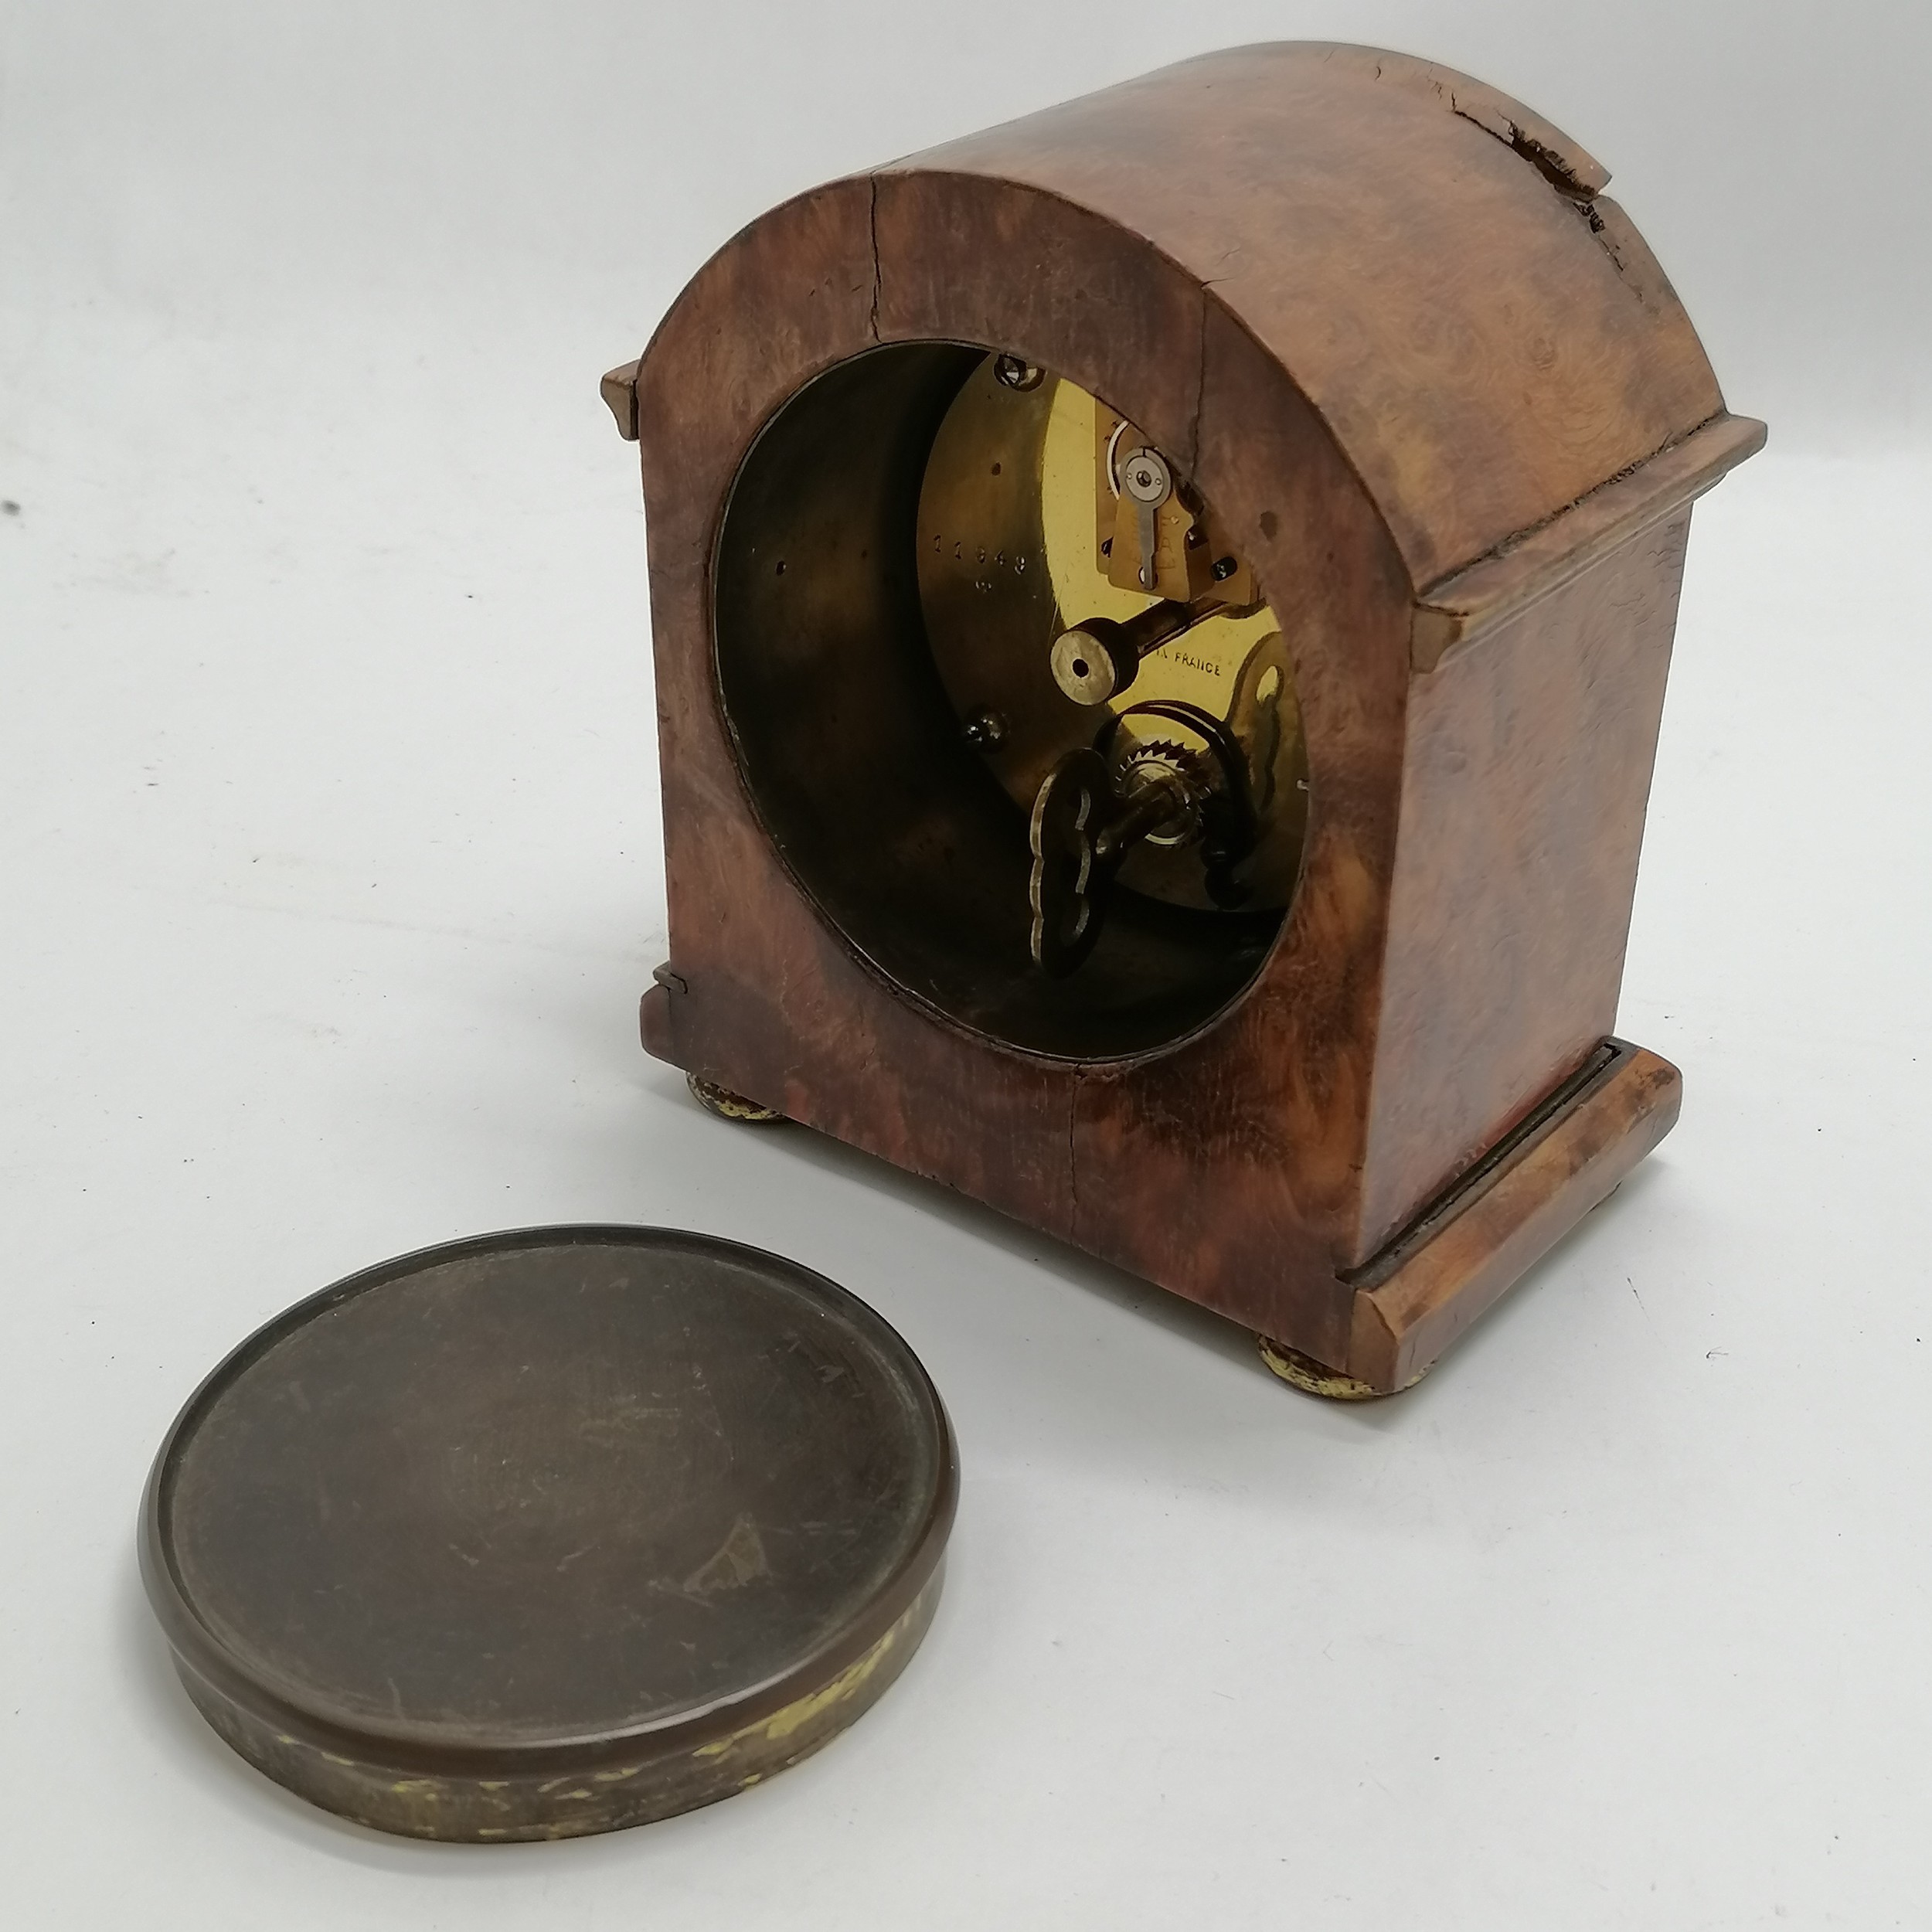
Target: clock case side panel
x,y
1526,778
1531,737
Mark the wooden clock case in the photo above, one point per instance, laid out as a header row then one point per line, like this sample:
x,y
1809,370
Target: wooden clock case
x,y
1385,320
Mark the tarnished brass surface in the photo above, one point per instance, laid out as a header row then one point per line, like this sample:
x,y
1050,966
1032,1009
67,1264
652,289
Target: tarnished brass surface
x,y
467,1806
1315,1377
1021,527
550,1533
986,583
728,1106
1192,557
1095,661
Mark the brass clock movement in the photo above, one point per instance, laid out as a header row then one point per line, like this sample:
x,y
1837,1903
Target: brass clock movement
x,y
1162,612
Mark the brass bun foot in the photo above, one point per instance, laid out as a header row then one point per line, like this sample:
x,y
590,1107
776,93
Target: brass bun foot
x,y
729,1106
1315,1377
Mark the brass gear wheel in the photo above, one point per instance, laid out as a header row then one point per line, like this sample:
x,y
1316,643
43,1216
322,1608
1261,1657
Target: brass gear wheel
x,y
1147,759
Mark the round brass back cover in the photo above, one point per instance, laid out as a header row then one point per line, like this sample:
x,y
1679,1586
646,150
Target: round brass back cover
x,y
550,1533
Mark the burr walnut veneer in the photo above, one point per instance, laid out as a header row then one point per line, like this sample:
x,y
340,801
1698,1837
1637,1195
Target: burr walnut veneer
x,y
1433,393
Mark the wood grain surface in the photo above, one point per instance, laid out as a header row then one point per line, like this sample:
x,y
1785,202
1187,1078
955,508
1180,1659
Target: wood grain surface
x,y
1384,319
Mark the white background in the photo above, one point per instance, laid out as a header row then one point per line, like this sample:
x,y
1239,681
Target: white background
x,y
329,876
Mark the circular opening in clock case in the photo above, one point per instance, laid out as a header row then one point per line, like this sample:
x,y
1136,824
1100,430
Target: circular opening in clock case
x,y
908,541
550,1533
